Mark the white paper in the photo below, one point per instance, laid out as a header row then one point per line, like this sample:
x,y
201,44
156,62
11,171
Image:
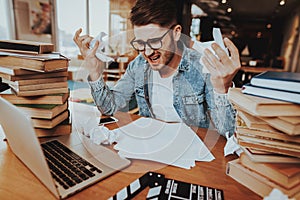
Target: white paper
x,y
201,46
231,146
103,40
170,143
276,194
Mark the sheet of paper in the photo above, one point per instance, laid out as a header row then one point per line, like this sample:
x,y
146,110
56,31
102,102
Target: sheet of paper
x,y
170,143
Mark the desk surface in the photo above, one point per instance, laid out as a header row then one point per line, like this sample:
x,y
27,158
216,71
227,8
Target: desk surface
x,y
17,182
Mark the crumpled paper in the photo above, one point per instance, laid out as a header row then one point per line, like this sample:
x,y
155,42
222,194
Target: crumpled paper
x,y
276,194
231,146
103,39
99,134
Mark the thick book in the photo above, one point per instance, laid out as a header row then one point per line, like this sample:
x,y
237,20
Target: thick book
x,y
24,46
41,86
288,81
255,182
269,145
50,123
267,134
259,106
288,125
41,62
57,98
43,111
271,93
285,174
254,122
64,128
260,156
32,82
16,74
47,91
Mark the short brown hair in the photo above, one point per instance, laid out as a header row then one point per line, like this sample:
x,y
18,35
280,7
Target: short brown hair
x,y
161,12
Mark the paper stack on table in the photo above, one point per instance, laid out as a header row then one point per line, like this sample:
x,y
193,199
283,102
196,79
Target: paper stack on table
x,y
170,143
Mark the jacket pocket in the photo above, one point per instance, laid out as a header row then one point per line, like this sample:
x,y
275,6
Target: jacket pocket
x,y
194,107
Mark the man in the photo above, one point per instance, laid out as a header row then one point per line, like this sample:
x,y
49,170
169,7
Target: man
x,y
166,77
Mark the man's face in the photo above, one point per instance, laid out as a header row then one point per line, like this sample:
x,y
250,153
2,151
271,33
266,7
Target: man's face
x,y
157,58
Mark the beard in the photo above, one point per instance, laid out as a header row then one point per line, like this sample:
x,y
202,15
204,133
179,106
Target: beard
x,y
160,59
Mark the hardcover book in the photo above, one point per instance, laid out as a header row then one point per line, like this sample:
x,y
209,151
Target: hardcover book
x,y
40,92
45,111
261,156
23,46
288,81
257,183
285,174
57,98
50,123
288,125
259,106
41,62
253,122
272,93
64,128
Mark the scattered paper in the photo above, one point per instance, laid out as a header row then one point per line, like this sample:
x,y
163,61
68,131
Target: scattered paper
x,y
276,194
231,146
170,143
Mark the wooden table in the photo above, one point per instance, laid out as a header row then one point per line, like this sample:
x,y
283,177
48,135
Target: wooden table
x,y
17,182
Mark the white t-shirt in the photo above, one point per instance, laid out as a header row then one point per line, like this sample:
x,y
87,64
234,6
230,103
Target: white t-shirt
x,y
162,98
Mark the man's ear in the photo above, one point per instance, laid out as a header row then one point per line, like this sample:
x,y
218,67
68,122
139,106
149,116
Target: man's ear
x,y
177,32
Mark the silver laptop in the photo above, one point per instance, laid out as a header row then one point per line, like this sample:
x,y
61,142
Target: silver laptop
x,y
65,164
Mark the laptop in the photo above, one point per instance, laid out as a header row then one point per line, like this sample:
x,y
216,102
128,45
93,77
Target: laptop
x,y
65,164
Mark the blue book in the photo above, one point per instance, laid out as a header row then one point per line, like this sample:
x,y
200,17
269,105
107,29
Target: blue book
x,y
281,95
287,81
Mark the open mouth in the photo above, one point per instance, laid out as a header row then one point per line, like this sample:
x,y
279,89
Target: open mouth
x,y
154,58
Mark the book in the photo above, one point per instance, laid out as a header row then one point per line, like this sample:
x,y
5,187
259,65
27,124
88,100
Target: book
x,y
23,46
288,81
271,93
50,123
287,126
22,74
41,86
43,111
41,62
253,122
17,71
64,128
46,91
259,106
268,134
286,175
31,82
266,144
56,98
268,157
255,182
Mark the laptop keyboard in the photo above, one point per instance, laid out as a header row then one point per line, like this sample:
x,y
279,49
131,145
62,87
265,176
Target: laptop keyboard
x,y
67,167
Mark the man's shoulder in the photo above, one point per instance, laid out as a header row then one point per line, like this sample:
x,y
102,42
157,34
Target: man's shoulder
x,y
137,62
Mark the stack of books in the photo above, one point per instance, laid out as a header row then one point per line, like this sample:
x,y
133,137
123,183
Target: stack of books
x,y
38,84
268,132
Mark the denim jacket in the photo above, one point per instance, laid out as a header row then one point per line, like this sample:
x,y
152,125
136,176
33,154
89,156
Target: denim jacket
x,y
193,96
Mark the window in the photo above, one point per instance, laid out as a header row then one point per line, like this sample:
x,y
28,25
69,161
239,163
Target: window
x,y
90,15
4,20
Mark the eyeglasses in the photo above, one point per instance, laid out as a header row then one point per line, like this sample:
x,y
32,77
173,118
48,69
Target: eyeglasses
x,y
153,43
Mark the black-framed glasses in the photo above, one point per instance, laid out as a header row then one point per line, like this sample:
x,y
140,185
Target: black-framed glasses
x,y
153,43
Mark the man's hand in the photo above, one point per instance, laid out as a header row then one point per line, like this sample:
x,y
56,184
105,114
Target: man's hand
x,y
222,70
92,63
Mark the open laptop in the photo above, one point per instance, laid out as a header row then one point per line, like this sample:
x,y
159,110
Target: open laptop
x,y
44,159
